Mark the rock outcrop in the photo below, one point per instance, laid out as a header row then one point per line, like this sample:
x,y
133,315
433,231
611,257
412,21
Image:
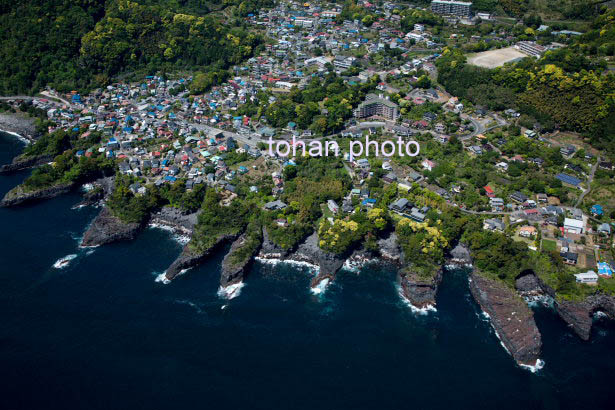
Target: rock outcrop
x,y
579,315
107,228
328,263
20,124
233,266
511,318
176,219
419,290
18,196
389,249
190,257
459,256
20,163
269,250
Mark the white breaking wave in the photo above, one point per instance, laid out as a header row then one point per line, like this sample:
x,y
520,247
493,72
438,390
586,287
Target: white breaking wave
x,y
538,366
177,237
354,265
19,137
419,311
162,278
320,288
64,262
231,291
539,300
539,363
87,187
275,262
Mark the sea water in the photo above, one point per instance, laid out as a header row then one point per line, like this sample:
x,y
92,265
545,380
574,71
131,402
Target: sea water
x,y
102,333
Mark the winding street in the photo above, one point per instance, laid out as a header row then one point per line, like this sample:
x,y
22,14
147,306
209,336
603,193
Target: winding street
x,y
589,183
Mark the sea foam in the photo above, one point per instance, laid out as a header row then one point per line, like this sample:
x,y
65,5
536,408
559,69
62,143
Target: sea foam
x,y
64,262
231,291
418,311
321,287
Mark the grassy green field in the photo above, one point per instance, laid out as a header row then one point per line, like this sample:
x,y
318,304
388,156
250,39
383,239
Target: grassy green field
x,y
549,245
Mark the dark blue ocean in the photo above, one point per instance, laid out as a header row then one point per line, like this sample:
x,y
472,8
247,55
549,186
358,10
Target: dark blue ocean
x,y
102,334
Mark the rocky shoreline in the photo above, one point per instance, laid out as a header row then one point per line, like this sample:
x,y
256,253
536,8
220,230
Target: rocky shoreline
x,y
19,124
17,196
107,228
578,315
511,318
175,219
233,271
19,163
190,258
419,291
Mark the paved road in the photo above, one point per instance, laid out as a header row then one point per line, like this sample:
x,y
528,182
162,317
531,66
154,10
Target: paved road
x,y
589,182
48,97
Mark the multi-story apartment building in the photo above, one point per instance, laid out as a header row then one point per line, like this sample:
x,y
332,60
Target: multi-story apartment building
x,y
455,8
377,105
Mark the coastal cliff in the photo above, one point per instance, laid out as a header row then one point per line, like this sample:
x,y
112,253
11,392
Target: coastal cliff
x,y
18,195
20,163
177,220
269,249
191,257
419,290
389,248
328,263
238,258
579,315
511,318
107,228
19,124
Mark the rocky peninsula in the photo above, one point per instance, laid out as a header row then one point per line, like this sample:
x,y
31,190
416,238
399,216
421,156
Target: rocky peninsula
x,y
19,195
20,162
107,228
191,256
510,316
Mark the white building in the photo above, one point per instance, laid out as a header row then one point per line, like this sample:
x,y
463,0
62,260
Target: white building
x,y
573,226
590,277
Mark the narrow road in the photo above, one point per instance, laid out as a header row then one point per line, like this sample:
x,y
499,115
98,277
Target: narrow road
x,y
589,183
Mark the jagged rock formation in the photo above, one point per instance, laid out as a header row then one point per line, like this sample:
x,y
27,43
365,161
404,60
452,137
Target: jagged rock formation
x,y
190,257
389,249
19,124
510,316
234,268
20,163
419,290
18,196
107,228
270,250
328,263
460,256
176,219
579,315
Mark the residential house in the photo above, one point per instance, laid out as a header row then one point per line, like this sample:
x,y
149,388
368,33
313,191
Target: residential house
x,y
573,226
590,277
494,225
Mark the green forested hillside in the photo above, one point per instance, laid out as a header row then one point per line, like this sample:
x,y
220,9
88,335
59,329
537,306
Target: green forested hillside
x,y
568,88
74,44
